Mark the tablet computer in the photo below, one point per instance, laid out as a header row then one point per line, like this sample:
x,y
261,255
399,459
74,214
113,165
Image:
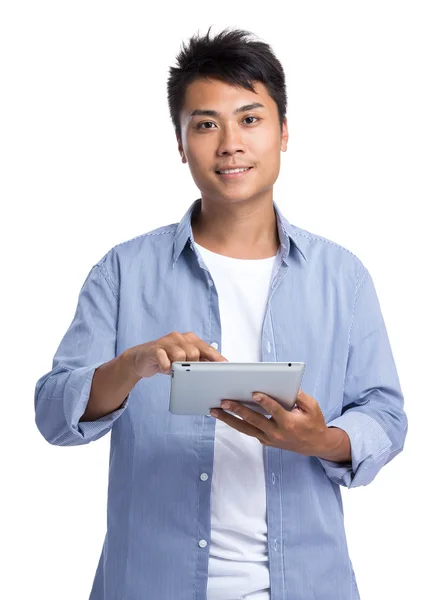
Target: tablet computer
x,y
196,387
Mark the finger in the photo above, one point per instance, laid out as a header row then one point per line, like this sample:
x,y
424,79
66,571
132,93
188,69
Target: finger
x,y
207,351
192,352
175,352
278,413
180,352
257,420
304,401
210,353
162,359
236,423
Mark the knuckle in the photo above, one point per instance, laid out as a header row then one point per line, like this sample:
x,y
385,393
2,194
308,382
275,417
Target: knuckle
x,y
193,353
157,349
190,335
175,335
177,353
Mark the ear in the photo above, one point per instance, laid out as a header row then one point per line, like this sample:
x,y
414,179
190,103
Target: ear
x,y
284,135
180,149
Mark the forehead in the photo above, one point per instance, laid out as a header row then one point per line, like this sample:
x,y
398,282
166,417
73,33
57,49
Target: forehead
x,y
217,95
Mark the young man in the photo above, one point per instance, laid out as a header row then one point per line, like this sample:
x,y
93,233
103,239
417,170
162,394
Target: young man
x,y
238,506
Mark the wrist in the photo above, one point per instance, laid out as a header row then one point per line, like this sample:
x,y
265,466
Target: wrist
x,y
336,446
127,362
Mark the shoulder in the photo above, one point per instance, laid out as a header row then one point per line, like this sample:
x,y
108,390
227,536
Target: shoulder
x,y
136,251
136,246
328,256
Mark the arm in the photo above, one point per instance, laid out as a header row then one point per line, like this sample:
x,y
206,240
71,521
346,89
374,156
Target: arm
x,y
337,446
372,416
110,387
62,395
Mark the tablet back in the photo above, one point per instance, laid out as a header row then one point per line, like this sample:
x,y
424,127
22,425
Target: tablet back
x,y
196,387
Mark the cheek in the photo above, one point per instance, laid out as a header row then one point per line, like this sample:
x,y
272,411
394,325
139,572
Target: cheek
x,y
201,160
269,160
267,148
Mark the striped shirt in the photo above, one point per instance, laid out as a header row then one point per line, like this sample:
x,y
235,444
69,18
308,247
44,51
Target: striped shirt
x,y
322,309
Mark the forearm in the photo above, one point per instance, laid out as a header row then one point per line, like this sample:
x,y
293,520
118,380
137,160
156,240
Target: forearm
x,y
337,446
111,384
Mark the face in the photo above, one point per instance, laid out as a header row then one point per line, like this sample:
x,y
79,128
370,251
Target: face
x,y
218,137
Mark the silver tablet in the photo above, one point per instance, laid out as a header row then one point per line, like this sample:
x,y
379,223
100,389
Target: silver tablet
x,y
196,387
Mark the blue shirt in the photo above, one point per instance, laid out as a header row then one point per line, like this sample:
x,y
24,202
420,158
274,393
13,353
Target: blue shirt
x,y
323,310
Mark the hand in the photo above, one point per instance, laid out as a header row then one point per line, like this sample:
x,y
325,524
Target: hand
x,y
302,430
156,356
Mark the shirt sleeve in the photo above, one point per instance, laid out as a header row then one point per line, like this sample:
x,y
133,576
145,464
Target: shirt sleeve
x,y
372,414
61,396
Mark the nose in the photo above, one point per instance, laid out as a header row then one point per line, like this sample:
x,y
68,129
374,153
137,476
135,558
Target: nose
x,y
231,141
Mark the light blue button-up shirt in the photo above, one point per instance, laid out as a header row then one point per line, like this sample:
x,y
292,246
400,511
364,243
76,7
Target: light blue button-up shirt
x,y
323,310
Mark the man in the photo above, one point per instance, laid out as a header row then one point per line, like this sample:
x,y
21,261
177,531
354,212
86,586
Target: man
x,y
238,506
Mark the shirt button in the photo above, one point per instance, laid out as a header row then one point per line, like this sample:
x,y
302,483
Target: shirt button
x,y
203,543
214,345
273,477
269,346
204,476
210,282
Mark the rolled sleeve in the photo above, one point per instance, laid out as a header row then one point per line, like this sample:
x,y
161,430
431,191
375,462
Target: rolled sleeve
x,y
62,394
373,405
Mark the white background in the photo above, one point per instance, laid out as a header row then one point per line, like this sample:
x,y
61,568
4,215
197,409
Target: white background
x,y
89,159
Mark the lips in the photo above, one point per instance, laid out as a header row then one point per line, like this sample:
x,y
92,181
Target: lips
x,y
233,177
230,168
238,175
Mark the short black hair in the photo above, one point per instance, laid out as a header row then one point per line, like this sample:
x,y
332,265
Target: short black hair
x,y
229,57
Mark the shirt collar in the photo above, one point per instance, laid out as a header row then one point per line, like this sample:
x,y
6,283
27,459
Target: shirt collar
x,y
286,232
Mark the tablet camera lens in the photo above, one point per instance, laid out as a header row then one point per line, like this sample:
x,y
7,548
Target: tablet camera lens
x,y
290,364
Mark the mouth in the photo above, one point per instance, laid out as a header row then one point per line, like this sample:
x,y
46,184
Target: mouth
x,y
234,176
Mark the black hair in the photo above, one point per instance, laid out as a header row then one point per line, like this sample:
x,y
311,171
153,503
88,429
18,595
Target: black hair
x,y
229,57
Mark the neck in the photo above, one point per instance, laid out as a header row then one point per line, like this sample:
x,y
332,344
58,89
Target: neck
x,y
238,230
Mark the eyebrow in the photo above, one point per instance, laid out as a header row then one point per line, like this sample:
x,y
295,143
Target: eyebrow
x,y
214,113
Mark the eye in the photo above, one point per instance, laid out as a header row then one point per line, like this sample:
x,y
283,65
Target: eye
x,y
256,118
199,126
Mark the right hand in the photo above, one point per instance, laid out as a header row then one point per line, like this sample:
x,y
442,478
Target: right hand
x,y
156,357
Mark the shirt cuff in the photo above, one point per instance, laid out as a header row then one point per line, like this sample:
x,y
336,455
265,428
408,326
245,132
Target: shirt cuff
x,y
78,389
370,449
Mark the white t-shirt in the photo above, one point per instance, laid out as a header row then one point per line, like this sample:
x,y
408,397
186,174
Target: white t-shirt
x,y
238,557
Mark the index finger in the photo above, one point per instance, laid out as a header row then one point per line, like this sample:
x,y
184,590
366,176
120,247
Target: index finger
x,y
272,406
207,351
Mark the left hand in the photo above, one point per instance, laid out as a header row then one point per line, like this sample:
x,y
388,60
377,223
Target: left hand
x,y
302,430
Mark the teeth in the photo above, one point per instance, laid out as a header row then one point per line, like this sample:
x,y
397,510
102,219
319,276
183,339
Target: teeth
x,y
234,170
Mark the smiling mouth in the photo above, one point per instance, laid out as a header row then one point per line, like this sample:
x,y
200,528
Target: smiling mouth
x,y
233,175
